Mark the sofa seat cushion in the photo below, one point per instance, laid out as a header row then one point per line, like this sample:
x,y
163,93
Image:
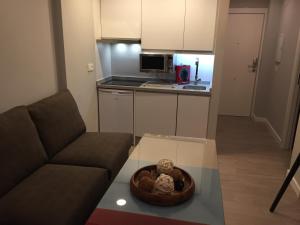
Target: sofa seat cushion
x,y
58,121
54,195
104,150
21,151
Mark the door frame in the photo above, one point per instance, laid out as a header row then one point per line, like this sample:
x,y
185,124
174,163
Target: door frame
x,y
263,11
293,102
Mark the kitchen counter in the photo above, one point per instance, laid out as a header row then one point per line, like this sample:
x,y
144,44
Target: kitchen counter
x,y
154,85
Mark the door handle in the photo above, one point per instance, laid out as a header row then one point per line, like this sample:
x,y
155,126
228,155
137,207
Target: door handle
x,y
254,65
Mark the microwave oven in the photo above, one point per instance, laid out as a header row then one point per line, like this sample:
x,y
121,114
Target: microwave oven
x,y
160,63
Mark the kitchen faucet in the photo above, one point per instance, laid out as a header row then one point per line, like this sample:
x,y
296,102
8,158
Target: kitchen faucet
x,y
196,76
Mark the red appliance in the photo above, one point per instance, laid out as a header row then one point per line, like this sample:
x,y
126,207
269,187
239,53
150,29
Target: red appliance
x,y
183,74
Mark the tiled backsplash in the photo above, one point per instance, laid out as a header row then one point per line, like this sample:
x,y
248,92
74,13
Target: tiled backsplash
x,y
123,60
206,64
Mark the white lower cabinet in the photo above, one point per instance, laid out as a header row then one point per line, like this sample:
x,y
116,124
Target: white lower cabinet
x,y
116,111
192,116
155,113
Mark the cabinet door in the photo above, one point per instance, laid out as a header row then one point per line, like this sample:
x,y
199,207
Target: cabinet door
x,y
121,19
155,113
116,111
200,23
163,24
192,116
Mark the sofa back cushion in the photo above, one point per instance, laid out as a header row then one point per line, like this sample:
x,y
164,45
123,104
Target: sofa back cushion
x,y
21,151
58,121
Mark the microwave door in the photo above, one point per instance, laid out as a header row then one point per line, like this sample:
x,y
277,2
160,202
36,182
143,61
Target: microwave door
x,y
152,63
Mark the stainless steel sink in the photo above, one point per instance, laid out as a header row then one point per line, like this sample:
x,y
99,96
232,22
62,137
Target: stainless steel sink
x,y
159,84
194,87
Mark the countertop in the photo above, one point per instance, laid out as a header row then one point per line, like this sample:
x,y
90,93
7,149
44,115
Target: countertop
x,y
152,85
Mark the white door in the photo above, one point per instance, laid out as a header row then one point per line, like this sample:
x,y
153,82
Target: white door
x,y
243,40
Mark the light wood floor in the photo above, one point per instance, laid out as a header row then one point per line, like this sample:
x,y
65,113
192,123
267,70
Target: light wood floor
x,y
252,168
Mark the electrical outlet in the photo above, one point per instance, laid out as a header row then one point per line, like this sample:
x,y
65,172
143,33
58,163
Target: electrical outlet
x,y
90,67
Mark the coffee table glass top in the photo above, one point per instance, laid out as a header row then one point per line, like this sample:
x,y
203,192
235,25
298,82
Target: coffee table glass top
x,y
196,156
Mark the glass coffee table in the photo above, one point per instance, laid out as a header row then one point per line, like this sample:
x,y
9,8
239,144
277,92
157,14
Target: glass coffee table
x,y
196,156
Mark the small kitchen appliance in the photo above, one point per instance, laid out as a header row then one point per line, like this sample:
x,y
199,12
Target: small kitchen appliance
x,y
159,63
183,74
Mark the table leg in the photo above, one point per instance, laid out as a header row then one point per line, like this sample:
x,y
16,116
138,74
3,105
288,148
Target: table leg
x,y
286,183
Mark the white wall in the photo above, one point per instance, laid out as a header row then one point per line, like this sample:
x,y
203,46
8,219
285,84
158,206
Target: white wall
x,y
79,46
98,32
223,10
268,57
104,57
27,54
97,18
275,82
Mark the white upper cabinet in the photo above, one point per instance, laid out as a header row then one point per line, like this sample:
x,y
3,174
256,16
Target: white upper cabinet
x,y
163,24
200,23
179,24
121,19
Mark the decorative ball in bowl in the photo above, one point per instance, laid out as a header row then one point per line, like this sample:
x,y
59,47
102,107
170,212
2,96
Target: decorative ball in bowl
x,y
162,184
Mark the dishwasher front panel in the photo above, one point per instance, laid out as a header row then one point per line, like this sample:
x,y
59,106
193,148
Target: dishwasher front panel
x,y
116,111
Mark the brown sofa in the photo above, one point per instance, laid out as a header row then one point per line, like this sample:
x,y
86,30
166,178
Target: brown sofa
x,y
52,171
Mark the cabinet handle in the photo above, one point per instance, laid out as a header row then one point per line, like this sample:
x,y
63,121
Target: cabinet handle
x,y
118,92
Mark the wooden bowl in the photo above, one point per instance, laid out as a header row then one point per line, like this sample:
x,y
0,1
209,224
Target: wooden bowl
x,y
162,199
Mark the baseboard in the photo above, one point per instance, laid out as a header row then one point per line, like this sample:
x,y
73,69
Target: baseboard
x,y
295,185
269,125
259,119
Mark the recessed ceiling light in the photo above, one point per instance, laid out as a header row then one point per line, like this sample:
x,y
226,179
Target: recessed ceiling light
x,y
135,48
121,47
